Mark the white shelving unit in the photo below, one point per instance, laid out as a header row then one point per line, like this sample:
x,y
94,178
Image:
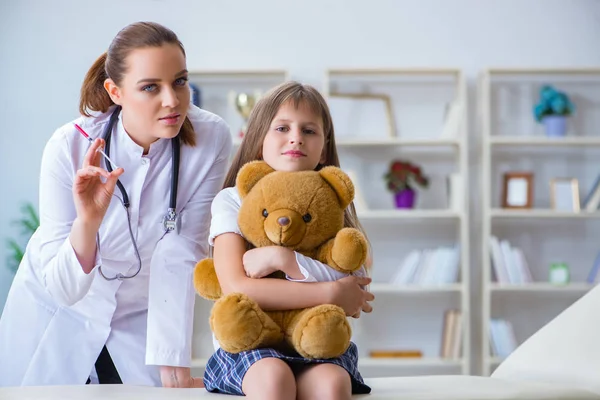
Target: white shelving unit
x,y
514,141
218,89
408,317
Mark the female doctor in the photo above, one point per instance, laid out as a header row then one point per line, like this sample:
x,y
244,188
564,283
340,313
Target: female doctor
x,y
104,292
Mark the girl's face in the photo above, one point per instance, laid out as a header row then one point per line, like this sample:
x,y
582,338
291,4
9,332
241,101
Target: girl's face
x,y
295,140
154,93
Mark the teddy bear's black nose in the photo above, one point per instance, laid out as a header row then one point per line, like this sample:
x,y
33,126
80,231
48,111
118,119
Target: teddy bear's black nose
x,y
283,221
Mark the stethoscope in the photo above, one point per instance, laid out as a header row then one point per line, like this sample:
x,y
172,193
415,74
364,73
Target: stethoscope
x,y
170,221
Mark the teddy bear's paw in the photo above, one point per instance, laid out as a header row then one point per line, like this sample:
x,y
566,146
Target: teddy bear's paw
x,y
349,250
239,324
206,282
322,332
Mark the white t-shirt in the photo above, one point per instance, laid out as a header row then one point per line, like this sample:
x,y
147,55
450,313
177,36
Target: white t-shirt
x,y
225,208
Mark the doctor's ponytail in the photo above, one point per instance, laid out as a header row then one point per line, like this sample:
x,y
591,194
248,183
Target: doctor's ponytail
x,y
93,95
112,64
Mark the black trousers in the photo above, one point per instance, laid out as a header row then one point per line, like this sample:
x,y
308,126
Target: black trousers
x,y
106,370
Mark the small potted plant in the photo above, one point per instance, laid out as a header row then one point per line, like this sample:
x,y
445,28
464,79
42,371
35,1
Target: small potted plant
x,y
401,178
28,223
552,110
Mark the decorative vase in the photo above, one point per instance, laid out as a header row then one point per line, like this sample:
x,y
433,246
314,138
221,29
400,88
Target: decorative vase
x,y
556,125
405,198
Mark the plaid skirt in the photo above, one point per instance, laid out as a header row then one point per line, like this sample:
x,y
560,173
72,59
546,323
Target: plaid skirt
x,y
225,371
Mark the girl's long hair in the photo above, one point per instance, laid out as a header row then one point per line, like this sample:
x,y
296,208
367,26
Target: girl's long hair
x,y
260,120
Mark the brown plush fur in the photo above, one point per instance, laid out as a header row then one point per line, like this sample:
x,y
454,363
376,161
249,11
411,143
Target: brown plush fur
x,y
317,332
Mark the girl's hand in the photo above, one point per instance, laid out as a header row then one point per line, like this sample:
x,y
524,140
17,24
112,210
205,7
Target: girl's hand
x,y
92,196
178,377
348,294
263,261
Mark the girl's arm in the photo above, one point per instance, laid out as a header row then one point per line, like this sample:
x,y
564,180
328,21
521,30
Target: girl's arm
x,y
263,261
279,294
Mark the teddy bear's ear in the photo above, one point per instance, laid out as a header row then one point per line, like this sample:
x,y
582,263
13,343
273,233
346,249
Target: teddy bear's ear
x,y
340,182
250,174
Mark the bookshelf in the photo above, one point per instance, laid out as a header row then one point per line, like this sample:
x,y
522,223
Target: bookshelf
x,y
419,115
523,299
409,316
218,90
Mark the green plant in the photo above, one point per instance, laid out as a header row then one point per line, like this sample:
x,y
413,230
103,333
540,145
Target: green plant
x,y
403,175
552,102
28,224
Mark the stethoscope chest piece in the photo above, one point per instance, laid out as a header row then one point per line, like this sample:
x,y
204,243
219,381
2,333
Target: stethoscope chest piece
x,y
171,221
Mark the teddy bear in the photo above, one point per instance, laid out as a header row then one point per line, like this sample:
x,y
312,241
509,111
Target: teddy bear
x,y
303,211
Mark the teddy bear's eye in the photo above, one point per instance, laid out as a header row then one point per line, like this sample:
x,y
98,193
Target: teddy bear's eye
x,y
307,218
265,213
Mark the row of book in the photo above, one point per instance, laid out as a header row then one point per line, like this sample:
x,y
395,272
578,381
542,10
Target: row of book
x,y
591,201
508,263
438,266
502,337
451,340
510,266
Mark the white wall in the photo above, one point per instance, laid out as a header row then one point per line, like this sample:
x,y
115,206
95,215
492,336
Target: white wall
x,y
46,48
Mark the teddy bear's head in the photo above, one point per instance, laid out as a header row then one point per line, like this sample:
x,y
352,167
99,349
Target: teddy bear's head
x,y
298,210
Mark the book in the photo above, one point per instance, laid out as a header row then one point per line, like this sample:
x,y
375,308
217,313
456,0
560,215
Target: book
x,y
452,329
395,354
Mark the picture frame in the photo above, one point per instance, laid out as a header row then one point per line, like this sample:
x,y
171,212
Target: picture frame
x,y
564,194
517,192
351,106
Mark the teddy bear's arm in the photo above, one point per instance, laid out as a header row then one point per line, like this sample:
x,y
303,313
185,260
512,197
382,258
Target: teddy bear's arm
x,y
346,252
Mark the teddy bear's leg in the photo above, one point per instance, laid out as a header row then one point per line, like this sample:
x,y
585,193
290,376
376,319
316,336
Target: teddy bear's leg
x,y
347,252
319,332
239,324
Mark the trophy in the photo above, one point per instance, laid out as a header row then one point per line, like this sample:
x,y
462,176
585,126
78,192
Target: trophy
x,y
244,103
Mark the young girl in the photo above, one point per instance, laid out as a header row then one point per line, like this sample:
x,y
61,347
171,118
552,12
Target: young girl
x,y
291,129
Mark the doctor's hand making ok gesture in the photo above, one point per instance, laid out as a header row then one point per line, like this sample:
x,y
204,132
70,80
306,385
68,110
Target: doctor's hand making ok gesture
x,y
92,197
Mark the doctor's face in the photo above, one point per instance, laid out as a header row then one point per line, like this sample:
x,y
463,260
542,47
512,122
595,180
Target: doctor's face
x,y
154,93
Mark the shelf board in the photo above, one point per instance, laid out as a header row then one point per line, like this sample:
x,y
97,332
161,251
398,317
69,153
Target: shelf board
x,y
544,141
407,214
536,287
239,73
542,213
414,289
544,70
494,360
393,71
409,362
358,142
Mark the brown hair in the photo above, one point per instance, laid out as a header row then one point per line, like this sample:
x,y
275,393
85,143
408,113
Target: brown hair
x,y
112,64
260,120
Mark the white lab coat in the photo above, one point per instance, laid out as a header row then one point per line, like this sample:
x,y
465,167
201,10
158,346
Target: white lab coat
x,y
57,319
